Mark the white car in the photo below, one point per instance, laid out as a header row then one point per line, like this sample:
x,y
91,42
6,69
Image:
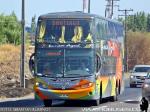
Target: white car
x,y
138,75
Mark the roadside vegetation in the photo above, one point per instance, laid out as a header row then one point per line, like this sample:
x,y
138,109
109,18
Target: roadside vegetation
x,y
10,40
10,71
138,47
138,39
10,29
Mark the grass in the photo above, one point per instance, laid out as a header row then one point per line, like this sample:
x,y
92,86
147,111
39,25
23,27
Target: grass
x,y
9,53
10,59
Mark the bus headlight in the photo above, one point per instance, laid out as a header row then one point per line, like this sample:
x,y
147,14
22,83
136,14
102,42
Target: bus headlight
x,y
41,85
37,83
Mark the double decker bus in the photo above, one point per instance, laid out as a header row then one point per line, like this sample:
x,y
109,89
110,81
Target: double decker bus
x,y
78,56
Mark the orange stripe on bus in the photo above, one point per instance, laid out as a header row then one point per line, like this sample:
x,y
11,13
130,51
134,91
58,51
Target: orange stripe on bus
x,y
40,94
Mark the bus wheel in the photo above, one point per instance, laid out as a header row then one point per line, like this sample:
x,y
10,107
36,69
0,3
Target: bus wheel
x,y
95,102
47,103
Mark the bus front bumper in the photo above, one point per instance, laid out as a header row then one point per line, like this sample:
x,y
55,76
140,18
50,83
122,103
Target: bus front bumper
x,y
80,94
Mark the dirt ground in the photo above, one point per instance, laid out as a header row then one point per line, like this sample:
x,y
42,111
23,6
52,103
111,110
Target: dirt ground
x,y
10,88
10,71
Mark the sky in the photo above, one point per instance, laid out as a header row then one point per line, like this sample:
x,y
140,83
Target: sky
x,y
38,7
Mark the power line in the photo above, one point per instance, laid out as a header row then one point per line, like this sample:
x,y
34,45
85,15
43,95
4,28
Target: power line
x,y
125,39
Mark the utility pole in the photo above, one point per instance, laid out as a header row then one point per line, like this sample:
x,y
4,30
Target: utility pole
x,y
125,39
112,7
89,6
22,76
109,11
85,5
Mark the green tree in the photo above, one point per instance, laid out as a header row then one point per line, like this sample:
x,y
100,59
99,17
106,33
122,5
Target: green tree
x,y
33,24
143,20
10,29
137,22
130,23
2,36
148,23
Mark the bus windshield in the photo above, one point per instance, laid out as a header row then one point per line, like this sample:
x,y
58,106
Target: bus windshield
x,y
78,66
78,62
70,63
63,30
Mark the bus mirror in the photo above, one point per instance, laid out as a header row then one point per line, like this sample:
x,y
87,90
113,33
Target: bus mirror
x,y
32,64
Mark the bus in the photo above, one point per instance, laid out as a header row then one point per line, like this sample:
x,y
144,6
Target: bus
x,y
78,56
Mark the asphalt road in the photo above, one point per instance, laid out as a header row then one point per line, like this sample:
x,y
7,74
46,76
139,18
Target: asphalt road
x,y
129,101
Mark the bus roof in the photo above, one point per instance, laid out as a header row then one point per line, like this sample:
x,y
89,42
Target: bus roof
x,y
74,15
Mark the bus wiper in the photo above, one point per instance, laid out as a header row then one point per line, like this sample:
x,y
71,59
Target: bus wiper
x,y
54,75
78,74
59,75
72,74
46,75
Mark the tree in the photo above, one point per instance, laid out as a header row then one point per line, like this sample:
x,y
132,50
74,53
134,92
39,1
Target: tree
x,y
10,29
148,23
138,48
130,23
143,20
33,24
137,22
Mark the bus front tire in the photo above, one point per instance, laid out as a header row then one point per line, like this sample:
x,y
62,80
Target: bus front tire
x,y
47,103
97,102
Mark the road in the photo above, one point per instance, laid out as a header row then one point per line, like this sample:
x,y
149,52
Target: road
x,y
127,102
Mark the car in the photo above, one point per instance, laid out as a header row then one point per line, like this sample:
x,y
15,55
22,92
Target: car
x,y
138,75
146,87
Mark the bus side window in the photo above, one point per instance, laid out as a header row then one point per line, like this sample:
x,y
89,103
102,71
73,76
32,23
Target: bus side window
x,y
98,63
